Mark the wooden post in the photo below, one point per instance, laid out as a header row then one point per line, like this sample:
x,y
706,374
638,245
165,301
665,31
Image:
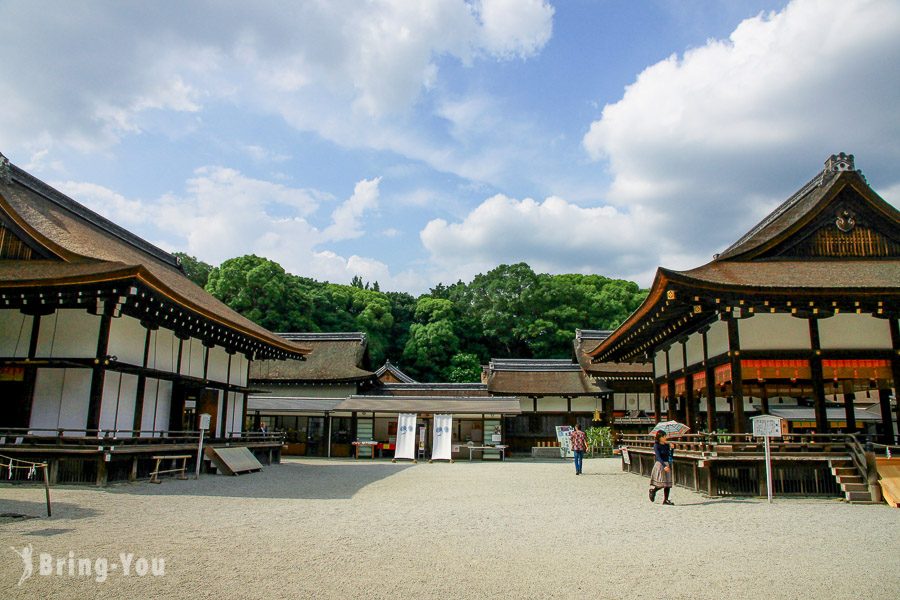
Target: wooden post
x,y
817,377
30,376
102,471
47,487
737,376
657,402
764,397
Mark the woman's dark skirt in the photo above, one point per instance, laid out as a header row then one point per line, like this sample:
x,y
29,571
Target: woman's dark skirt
x,y
659,478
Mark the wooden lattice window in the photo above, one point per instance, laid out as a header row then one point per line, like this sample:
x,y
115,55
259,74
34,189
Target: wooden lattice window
x,y
12,246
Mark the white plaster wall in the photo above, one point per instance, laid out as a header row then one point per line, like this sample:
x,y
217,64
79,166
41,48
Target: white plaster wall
x,y
126,340
585,404
61,398
192,358
695,349
117,406
855,332
163,350
15,333
218,364
717,338
552,404
676,358
158,404
777,331
69,333
238,370
526,404
659,363
234,420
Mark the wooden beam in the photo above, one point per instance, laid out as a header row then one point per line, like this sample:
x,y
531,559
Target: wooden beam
x,y
657,399
817,377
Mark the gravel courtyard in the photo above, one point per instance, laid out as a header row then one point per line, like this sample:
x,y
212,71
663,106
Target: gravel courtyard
x,y
522,529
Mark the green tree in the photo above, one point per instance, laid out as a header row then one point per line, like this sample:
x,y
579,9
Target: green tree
x,y
464,368
195,269
261,290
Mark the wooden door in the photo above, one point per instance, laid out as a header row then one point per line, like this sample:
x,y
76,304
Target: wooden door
x,y
208,402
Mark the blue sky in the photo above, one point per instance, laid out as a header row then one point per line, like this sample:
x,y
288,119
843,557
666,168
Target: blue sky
x,y
418,142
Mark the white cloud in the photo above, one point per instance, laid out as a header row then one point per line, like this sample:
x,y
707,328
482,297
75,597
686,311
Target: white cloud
x,y
553,235
712,139
92,72
223,214
512,28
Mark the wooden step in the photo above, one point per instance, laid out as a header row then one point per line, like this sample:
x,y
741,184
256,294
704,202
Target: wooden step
x,y
855,487
858,497
850,479
844,471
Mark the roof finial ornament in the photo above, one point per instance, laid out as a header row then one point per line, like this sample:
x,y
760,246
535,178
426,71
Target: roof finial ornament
x,y
5,171
839,162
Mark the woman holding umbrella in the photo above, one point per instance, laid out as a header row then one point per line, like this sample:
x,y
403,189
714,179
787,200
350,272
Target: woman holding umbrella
x,y
661,476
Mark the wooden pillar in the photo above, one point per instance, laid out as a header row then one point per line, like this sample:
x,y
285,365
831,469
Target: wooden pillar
x,y
137,421
710,387
690,404
30,375
895,366
737,376
887,423
609,410
850,406
764,397
817,376
670,390
98,375
223,419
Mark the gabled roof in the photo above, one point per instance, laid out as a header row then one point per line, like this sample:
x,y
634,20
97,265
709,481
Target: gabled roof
x,y
536,377
390,373
75,246
834,237
334,358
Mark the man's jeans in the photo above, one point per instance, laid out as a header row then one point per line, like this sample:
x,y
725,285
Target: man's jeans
x,y
579,459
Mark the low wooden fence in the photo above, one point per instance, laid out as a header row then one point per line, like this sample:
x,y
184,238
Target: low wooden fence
x,y
734,465
80,456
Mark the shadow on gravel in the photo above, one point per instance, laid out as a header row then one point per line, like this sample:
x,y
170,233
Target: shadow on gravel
x,y
25,509
312,480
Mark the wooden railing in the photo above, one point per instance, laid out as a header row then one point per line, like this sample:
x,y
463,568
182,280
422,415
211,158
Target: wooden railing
x,y
86,438
705,444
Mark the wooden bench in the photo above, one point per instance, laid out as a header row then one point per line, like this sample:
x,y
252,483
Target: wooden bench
x,y
154,475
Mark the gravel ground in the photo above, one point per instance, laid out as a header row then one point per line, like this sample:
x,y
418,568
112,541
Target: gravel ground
x,y
523,529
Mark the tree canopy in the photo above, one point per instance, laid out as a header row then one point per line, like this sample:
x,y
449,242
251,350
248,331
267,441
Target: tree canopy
x,y
446,334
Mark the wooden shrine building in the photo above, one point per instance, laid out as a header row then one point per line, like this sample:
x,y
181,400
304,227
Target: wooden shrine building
x,y
802,311
103,335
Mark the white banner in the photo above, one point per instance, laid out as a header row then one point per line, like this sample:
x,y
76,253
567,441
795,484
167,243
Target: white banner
x,y
406,436
441,441
564,437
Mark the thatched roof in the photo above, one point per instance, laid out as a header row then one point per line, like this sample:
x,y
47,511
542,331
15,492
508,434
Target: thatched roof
x,y
531,377
334,358
74,247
